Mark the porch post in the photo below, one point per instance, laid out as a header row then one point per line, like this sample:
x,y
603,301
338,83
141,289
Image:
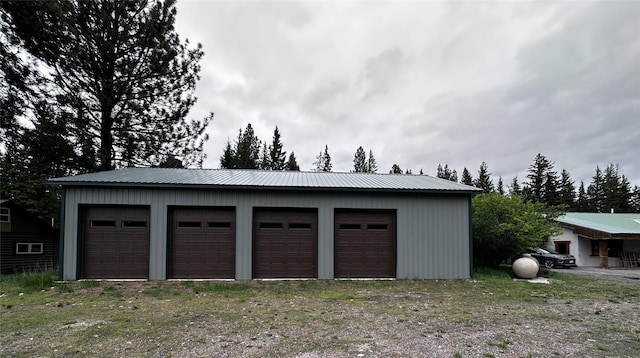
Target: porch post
x,y
604,254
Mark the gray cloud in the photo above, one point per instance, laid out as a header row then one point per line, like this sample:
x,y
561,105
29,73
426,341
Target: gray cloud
x,y
422,83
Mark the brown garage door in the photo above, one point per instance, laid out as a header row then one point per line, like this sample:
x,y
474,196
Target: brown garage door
x,y
202,243
115,242
364,244
285,243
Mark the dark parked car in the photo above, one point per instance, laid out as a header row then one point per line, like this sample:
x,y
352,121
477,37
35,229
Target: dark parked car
x,y
551,259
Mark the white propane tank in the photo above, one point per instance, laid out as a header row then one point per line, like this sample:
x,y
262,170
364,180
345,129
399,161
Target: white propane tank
x,y
525,267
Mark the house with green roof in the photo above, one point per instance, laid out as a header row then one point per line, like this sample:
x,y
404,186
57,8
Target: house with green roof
x,y
600,239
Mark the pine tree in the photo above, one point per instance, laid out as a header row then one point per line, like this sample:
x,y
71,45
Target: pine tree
x,y
616,189
551,195
292,163
277,156
484,179
500,188
567,191
395,169
37,154
635,199
121,76
323,161
360,161
515,189
247,149
595,193
227,160
466,177
446,173
582,201
537,188
265,158
372,166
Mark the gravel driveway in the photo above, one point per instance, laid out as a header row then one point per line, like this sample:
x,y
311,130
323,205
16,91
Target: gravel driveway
x,y
617,273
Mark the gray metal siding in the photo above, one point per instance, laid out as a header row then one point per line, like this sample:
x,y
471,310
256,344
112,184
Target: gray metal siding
x,y
432,230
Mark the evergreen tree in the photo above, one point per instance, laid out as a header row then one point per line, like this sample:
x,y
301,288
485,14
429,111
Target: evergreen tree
x,y
567,191
484,179
538,188
500,188
595,193
33,156
292,163
277,156
360,161
372,166
323,161
551,194
617,190
228,158
265,158
582,201
408,172
635,199
515,189
421,172
120,73
446,173
247,149
466,177
395,169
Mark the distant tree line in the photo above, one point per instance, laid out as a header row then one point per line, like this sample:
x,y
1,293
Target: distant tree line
x,y
608,189
248,152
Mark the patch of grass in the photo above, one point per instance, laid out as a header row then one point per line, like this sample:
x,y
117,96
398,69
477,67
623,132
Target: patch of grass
x,y
502,344
162,291
89,283
226,287
27,282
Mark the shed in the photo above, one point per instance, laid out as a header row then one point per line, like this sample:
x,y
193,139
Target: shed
x,y
27,243
156,223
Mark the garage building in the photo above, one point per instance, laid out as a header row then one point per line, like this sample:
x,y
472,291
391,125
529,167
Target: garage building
x,y
153,223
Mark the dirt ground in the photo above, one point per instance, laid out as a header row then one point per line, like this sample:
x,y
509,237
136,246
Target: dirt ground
x,y
489,316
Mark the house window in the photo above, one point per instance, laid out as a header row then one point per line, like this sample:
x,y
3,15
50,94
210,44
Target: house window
x,y
26,248
614,247
5,215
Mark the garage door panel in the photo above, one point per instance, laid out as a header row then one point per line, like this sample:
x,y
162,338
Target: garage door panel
x,y
115,242
364,244
202,243
285,243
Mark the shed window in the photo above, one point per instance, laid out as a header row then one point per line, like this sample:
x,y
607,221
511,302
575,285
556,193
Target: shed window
x,y
380,227
300,226
5,215
134,224
103,223
271,225
349,226
26,248
219,225
189,224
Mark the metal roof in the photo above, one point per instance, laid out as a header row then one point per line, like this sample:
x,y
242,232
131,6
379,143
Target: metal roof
x,y
264,179
608,223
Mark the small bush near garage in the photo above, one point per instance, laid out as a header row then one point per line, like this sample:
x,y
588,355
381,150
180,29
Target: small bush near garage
x,y
505,226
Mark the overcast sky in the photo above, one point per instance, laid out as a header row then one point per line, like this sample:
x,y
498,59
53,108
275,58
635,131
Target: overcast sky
x,y
425,82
